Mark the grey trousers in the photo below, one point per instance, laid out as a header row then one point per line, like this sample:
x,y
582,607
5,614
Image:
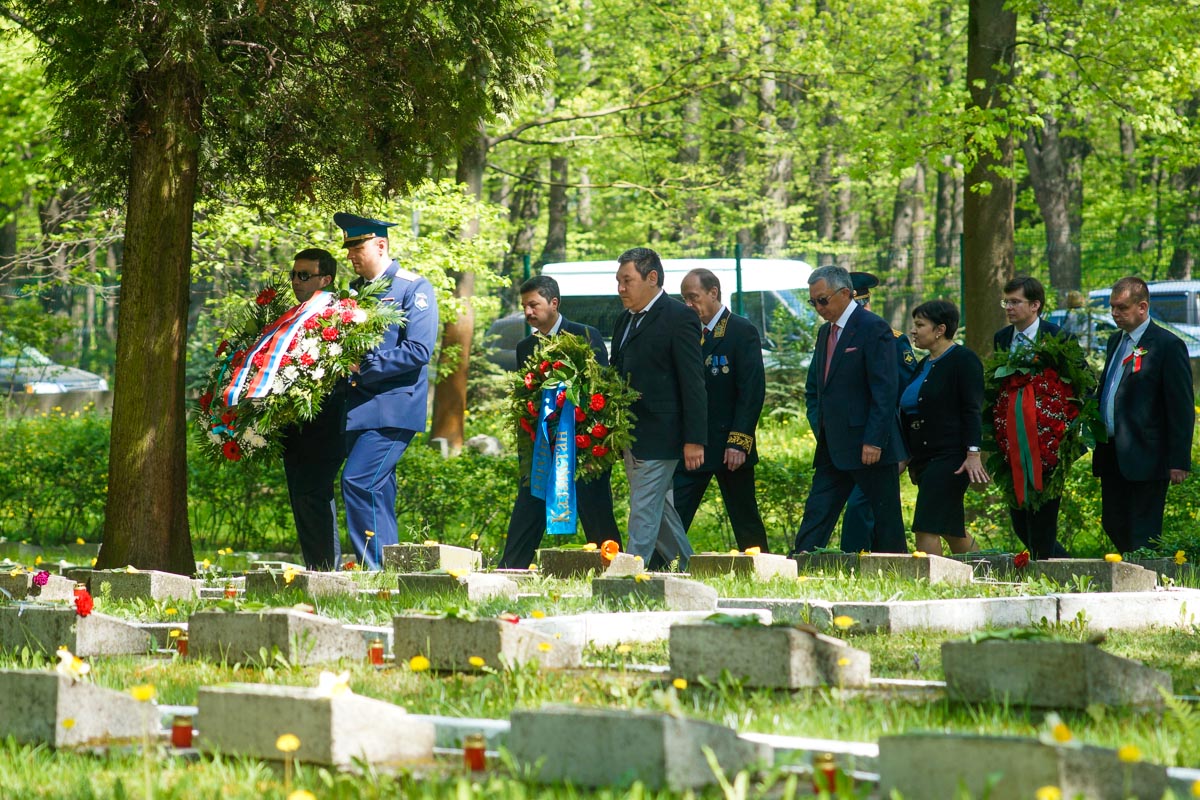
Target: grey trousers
x,y
654,525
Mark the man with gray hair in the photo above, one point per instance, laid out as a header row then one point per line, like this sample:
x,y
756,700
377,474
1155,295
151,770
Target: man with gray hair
x,y
851,405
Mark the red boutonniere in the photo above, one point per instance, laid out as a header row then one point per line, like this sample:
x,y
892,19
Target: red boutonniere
x,y
1135,357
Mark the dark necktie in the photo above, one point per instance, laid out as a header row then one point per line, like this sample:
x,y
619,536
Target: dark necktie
x,y
830,346
634,318
704,334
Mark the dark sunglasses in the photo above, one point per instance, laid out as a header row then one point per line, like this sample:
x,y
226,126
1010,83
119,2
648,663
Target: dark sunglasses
x,y
823,301
304,277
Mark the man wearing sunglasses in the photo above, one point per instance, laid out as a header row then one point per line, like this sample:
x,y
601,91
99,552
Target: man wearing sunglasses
x,y
851,394
313,452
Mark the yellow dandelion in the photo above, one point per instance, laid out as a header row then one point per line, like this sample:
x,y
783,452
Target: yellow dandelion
x,y
94,560
590,547
545,647
1195,786
171,611
1049,793
1113,558
476,661
641,577
735,552
174,633
1129,754
624,649
430,542
536,614
843,662
1180,557
753,551
418,663
862,553
37,561
143,693
79,540
844,622
1061,733
287,743
290,574
206,564
920,554
302,794
69,723
533,567
679,683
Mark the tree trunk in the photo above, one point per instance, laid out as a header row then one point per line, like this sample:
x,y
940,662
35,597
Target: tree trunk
x,y
146,520
989,194
1183,258
450,393
556,228
1055,164
908,214
848,219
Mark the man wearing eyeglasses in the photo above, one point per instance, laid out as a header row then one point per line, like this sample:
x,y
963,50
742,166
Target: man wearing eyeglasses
x,y
388,397
1024,299
313,451
851,394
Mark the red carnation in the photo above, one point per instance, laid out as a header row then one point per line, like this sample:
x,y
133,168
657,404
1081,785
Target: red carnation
x,y
83,603
599,431
1021,559
285,360
259,360
232,450
265,296
294,343
311,324
221,347
327,313
599,451
206,401
583,441
579,415
560,399
532,408
1050,374
307,360
349,302
558,365
229,416
347,317
41,578
544,367
598,402
329,334
528,380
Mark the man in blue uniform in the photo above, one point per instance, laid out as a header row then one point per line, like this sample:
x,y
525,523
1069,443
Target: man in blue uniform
x,y
389,391
858,523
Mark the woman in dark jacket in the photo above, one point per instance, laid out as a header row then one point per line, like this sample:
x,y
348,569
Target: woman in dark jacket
x,y
941,417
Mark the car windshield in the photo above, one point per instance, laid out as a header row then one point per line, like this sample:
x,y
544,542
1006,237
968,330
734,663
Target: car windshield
x,y
12,357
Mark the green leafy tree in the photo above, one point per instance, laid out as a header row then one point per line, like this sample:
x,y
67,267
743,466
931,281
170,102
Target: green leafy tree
x,y
159,104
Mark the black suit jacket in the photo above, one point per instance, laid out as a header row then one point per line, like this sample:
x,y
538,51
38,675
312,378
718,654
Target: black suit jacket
x,y
591,335
857,404
662,359
1154,414
1004,337
736,386
949,418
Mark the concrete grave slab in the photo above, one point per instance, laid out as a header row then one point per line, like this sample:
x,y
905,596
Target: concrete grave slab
x,y
989,566
1168,608
935,766
605,629
473,585
826,562
312,584
762,566
46,629
301,637
450,643
144,585
955,616
624,564
1165,567
767,656
22,587
410,557
1048,674
1102,576
614,747
935,569
247,719
43,707
814,612
676,594
561,563
160,632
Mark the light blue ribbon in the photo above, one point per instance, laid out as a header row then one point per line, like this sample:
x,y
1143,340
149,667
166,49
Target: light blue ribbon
x,y
552,476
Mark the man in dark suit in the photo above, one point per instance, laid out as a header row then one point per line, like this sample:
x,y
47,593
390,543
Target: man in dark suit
x,y
539,299
313,451
735,383
657,344
858,523
389,390
1024,299
851,398
1148,406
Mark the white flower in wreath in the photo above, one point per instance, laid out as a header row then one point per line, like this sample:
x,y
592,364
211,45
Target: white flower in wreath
x,y
359,316
311,345
290,373
318,373
215,438
252,438
335,350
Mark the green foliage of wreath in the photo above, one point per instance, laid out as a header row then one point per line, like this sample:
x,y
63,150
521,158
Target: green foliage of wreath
x,y
602,397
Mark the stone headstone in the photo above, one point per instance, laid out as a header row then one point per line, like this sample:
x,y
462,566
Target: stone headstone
x,y
144,585
762,566
243,636
957,616
22,587
935,766
1169,608
935,569
826,562
312,584
46,629
766,656
1048,674
450,643
1100,575
472,586
594,747
248,719
625,564
43,707
676,594
427,557
485,445
559,563
990,566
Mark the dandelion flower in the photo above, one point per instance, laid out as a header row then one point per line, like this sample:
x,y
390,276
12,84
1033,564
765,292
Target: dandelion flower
x,y
171,611
1112,558
920,554
752,551
302,794
624,649
476,661
143,693
679,683
474,537
418,663
641,577
456,573
289,575
430,542
843,662
545,647
844,622
1129,754
79,540
69,723
1180,557
1049,793
536,614
287,743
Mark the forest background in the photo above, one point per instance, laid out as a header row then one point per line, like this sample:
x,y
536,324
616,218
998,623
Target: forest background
x,y
835,132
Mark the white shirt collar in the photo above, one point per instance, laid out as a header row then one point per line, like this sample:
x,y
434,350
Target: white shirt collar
x,y
1030,333
712,323
1136,334
845,317
651,303
556,326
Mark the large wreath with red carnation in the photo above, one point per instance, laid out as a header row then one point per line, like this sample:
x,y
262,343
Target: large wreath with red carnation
x,y
601,396
1040,416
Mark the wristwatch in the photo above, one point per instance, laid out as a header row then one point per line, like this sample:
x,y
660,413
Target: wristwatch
x,y
972,449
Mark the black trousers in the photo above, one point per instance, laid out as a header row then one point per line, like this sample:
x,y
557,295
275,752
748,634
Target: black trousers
x,y
312,455
831,487
1131,512
1038,530
858,523
528,521
737,490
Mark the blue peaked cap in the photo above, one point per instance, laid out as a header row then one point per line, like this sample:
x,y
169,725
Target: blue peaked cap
x,y
358,229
